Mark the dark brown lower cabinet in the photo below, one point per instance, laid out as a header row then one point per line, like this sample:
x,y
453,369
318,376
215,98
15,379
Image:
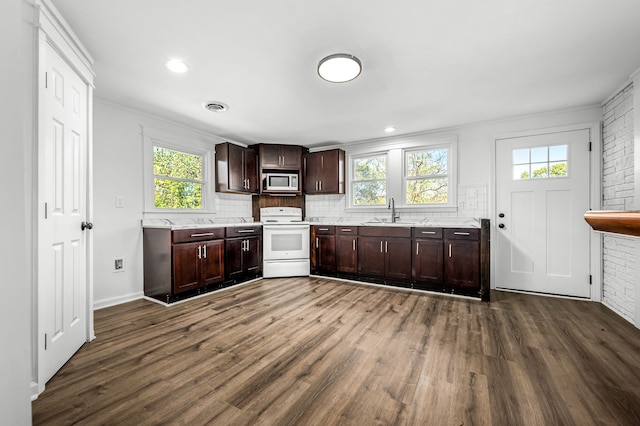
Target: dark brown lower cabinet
x,y
385,252
347,251
182,261
323,249
462,259
243,248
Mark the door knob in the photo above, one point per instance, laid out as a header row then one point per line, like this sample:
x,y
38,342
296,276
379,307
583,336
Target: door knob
x,y
86,225
501,226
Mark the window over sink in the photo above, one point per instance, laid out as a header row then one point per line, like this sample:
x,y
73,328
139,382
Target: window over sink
x,y
178,179
418,172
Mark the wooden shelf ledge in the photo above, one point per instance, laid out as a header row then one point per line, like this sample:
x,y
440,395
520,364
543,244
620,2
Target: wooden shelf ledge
x,y
617,222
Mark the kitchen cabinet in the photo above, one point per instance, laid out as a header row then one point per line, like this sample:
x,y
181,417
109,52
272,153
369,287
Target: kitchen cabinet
x,y
243,248
182,262
462,259
236,169
280,157
325,248
427,269
324,172
385,252
347,249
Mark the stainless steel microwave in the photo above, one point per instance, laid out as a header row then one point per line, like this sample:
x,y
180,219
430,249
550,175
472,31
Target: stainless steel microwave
x,y
281,182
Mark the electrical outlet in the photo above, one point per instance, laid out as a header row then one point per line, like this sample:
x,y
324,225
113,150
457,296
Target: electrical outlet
x,y
118,264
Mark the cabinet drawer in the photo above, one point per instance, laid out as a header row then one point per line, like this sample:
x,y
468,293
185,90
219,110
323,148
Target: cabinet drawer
x,y
462,234
347,230
325,230
243,231
196,234
385,231
435,233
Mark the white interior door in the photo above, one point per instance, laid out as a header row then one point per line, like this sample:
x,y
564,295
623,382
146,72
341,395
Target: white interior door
x,y
62,253
542,193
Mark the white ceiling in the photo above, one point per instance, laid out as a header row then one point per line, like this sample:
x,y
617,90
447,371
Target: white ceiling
x,y
426,64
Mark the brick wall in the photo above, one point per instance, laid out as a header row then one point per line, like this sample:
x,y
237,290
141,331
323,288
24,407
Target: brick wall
x,y
619,253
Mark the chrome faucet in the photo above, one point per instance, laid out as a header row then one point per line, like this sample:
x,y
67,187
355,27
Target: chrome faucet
x,y
392,206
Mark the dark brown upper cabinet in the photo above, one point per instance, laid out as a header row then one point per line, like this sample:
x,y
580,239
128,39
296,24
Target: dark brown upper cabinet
x,y
324,172
280,157
236,169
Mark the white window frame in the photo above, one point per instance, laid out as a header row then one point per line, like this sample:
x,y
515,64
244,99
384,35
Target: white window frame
x,y
406,178
202,182
352,160
396,182
206,150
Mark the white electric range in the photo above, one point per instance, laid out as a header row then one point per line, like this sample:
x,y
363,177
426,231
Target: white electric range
x,y
285,242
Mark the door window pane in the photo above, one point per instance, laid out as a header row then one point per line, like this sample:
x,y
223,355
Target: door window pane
x,y
540,162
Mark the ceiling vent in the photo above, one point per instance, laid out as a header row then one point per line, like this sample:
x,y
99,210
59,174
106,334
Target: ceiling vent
x,y
216,106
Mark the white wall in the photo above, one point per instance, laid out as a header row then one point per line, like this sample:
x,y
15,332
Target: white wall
x,y
118,172
15,162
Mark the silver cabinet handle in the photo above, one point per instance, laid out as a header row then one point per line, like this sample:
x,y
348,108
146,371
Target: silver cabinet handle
x,y
205,234
417,248
461,233
323,229
380,246
386,246
449,250
316,242
245,245
246,231
354,245
429,232
346,229
320,185
204,249
199,252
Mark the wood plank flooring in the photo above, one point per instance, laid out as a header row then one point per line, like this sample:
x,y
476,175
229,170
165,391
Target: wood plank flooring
x,y
312,351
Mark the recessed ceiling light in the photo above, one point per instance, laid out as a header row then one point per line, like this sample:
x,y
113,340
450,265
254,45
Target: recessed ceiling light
x,y
339,68
390,129
215,106
176,65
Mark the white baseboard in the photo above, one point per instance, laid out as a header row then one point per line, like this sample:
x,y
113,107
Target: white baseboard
x,y
112,301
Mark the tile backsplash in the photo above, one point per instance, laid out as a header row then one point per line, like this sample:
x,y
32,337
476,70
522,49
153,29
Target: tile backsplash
x,y
472,203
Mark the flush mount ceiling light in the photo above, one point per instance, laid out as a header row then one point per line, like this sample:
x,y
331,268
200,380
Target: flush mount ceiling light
x,y
176,65
215,106
339,68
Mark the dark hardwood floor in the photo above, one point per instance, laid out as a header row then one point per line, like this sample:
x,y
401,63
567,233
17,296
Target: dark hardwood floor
x,y
312,351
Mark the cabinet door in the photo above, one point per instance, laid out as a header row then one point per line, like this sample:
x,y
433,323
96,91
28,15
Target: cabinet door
x,y
428,261
251,170
325,252
347,254
332,172
371,258
270,156
253,256
236,168
397,258
312,173
291,157
462,264
185,267
233,258
212,262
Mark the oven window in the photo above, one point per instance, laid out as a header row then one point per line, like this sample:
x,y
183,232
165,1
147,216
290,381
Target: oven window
x,y
286,242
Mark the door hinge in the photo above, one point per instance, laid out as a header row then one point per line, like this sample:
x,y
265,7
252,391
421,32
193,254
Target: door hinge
x,y
590,146
46,213
45,341
590,279
46,80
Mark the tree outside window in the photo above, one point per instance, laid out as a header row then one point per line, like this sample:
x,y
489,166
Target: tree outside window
x,y
369,182
178,179
426,176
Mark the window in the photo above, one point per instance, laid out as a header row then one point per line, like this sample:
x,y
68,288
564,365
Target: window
x,y
417,172
540,162
369,181
178,179
426,176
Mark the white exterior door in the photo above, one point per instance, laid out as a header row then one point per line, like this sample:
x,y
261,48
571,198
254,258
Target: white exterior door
x,y
62,244
542,193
